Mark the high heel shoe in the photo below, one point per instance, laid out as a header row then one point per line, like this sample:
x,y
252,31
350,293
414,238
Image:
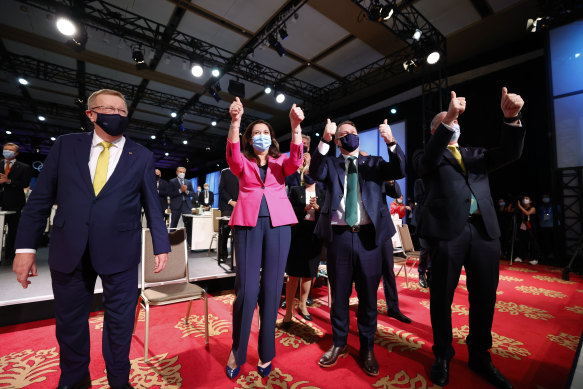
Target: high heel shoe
x,y
232,373
264,371
307,317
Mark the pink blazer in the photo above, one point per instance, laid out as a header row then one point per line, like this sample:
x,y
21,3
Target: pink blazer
x,y
252,188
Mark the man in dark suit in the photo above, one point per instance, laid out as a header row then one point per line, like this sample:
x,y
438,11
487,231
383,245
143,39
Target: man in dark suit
x,y
14,177
354,223
206,198
424,268
163,191
228,194
97,231
180,203
458,220
391,189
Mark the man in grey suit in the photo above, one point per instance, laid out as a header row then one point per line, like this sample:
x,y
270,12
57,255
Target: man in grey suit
x,y
180,203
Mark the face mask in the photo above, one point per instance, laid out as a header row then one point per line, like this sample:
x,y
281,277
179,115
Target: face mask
x,y
206,188
456,133
399,201
8,154
305,149
181,176
349,142
113,124
501,203
526,201
546,200
308,180
198,190
261,142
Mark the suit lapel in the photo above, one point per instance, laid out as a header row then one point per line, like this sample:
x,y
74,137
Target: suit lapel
x,y
126,160
340,165
451,159
82,154
361,167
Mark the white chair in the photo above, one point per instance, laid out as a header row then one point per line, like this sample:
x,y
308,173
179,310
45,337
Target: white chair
x,y
216,214
171,284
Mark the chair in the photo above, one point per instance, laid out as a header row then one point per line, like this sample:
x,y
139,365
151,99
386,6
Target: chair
x,y
216,214
397,260
408,248
171,284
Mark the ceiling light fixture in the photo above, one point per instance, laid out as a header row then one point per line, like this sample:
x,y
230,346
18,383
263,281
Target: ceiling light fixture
x,y
214,123
410,65
216,72
417,34
185,142
433,58
283,33
280,98
277,46
138,57
267,89
23,81
41,118
173,114
66,26
152,136
196,69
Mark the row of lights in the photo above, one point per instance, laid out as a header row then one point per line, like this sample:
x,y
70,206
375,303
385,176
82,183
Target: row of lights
x,y
24,81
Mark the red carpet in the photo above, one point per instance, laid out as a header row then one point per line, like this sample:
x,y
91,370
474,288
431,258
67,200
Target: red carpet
x,y
538,322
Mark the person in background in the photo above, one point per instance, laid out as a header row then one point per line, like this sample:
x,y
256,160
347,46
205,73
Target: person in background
x,y
505,223
14,178
527,246
424,268
206,198
163,191
306,248
261,222
398,208
297,178
180,202
548,219
228,194
194,197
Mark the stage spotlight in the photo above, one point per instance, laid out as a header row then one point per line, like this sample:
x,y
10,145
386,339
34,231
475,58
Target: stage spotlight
x,y
536,25
277,46
374,10
410,65
214,123
216,72
280,98
386,13
417,34
166,154
41,118
23,81
267,89
66,26
173,114
185,142
393,111
53,138
196,69
433,58
8,132
152,136
215,93
236,88
317,134
138,56
283,33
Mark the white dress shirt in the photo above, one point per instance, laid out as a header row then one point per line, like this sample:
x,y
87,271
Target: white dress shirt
x,y
311,214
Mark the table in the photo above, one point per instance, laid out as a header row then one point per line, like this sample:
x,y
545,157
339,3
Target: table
x,y
202,231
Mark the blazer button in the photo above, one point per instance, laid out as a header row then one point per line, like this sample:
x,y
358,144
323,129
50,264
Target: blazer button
x,y
262,186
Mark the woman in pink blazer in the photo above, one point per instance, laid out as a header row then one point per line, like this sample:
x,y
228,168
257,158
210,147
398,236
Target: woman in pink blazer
x,y
261,226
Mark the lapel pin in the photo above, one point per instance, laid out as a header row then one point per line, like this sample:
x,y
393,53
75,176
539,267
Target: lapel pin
x,y
130,153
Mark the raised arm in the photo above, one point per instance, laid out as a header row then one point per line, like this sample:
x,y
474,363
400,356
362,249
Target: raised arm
x,y
296,156
234,157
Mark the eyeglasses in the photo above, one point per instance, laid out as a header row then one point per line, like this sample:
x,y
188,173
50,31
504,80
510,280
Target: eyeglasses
x,y
111,110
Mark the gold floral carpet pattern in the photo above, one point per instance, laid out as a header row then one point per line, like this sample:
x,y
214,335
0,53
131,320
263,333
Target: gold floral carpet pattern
x,y
537,328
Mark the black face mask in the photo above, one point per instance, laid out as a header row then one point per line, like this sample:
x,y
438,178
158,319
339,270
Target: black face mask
x,y
308,180
349,142
113,124
305,149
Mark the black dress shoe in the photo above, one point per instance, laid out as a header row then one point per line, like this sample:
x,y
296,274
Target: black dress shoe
x,y
286,325
283,304
369,363
309,302
307,317
491,374
422,280
440,372
399,316
83,384
331,356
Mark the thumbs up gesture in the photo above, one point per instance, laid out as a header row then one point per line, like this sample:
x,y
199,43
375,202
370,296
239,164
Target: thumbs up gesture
x,y
511,103
329,131
296,116
386,133
236,110
457,106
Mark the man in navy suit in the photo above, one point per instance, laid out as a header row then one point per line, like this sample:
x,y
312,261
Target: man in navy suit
x,y
354,223
163,191
459,222
100,182
180,203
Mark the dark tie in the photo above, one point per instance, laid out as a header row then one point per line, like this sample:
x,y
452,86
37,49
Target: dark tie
x,y
351,193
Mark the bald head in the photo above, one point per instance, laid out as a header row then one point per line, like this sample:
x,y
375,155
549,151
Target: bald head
x,y
437,119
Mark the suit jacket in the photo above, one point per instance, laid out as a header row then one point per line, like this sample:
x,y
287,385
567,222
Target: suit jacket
x,y
252,188
13,198
419,195
163,193
297,198
448,189
201,199
294,179
176,195
109,224
373,171
393,189
228,190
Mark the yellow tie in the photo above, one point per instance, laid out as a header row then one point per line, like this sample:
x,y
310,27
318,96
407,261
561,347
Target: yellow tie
x,y
457,155
101,169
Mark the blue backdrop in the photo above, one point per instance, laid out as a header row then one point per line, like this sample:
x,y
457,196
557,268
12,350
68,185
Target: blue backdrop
x,y
213,180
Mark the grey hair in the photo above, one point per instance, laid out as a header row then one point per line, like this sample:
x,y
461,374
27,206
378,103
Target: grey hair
x,y
437,119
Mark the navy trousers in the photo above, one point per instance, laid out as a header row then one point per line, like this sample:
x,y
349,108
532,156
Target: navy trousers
x,y
177,214
479,255
354,257
389,282
261,258
73,299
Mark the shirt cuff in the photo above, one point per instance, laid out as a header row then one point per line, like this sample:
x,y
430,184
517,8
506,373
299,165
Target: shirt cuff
x,y
25,251
393,148
448,127
519,124
323,147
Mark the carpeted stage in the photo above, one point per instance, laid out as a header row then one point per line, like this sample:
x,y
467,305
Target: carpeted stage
x,y
537,327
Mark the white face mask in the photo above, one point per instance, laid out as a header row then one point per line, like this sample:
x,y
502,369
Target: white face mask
x,y
206,188
526,201
399,201
456,133
181,176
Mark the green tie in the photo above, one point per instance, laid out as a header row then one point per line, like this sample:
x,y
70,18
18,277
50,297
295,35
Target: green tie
x,y
351,193
101,169
458,156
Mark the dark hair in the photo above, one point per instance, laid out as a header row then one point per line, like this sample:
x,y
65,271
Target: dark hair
x,y
349,122
248,150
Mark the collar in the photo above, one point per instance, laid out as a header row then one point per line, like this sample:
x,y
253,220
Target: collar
x,y
118,143
456,145
346,156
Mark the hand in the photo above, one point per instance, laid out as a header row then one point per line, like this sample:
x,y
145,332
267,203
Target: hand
x,y
296,116
307,159
386,134
329,131
314,204
3,178
457,106
24,266
232,203
236,110
511,103
161,260
183,188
